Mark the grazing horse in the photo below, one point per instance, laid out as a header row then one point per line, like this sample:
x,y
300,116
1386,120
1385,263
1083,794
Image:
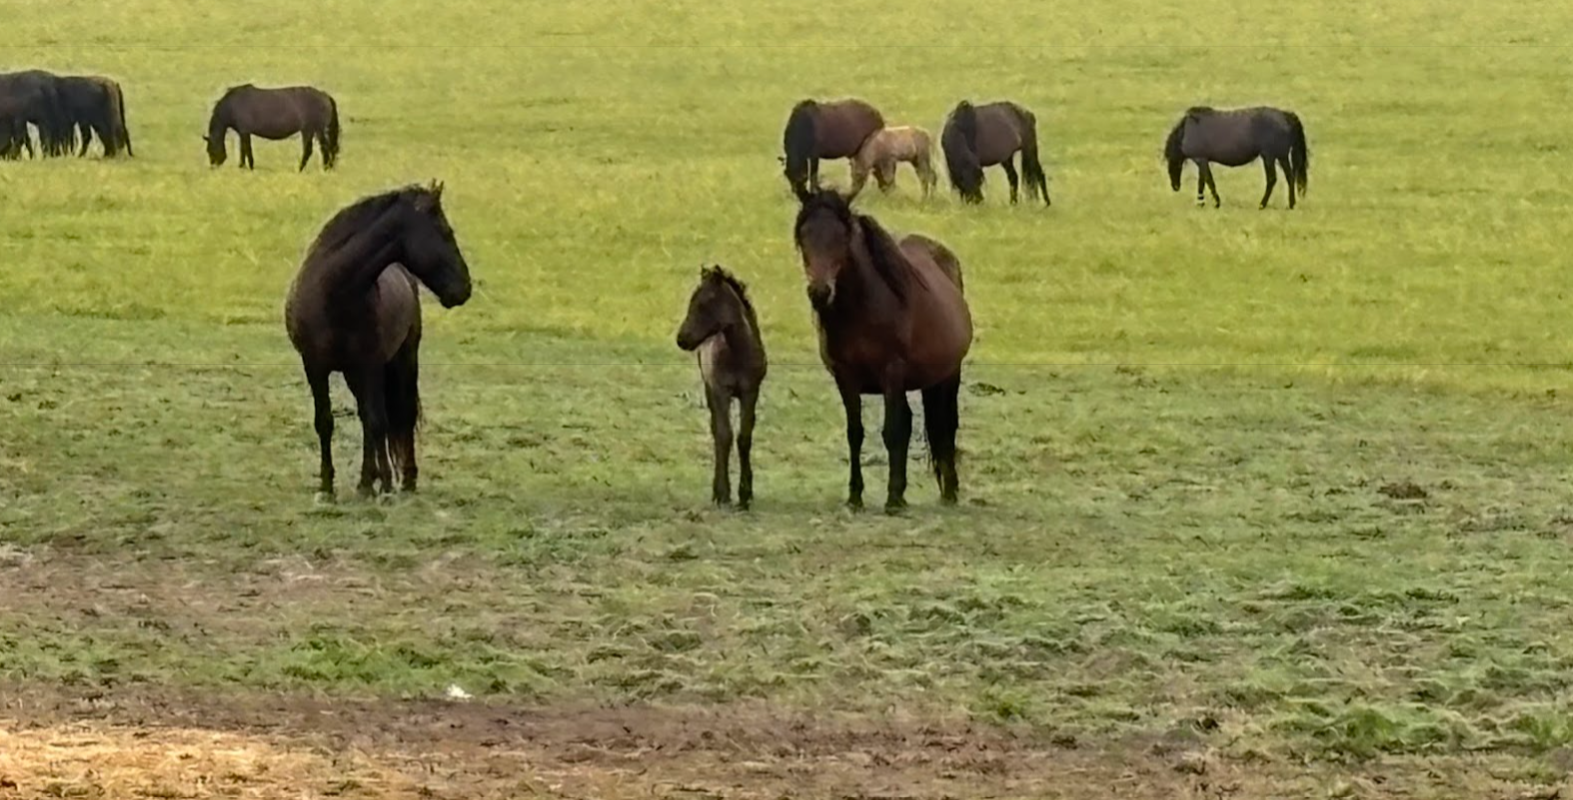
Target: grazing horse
x,y
975,137
33,97
274,114
94,104
354,308
889,147
1234,138
722,327
816,130
892,318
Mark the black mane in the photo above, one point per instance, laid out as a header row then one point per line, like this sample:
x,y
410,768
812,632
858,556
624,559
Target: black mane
x,y
888,261
719,274
355,217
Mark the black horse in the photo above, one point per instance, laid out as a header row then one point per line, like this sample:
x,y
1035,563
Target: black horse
x,y
1234,138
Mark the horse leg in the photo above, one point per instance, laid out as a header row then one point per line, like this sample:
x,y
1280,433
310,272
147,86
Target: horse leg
x,y
1212,186
87,139
1015,181
371,399
720,406
1201,185
926,174
941,418
1272,179
813,172
1288,176
305,150
745,448
898,438
246,157
322,408
860,172
852,401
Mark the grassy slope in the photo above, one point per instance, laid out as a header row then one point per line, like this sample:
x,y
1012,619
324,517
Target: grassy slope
x,y
1198,537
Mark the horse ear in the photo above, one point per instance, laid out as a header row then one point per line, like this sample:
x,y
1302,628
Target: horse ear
x,y
436,188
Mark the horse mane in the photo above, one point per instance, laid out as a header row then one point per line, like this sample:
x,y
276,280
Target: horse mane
x,y
355,217
1171,146
1198,111
719,274
797,141
888,261
958,140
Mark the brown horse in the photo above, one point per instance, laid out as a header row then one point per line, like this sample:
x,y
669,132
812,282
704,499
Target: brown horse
x,y
892,318
816,130
1234,138
975,137
354,308
722,327
274,114
889,147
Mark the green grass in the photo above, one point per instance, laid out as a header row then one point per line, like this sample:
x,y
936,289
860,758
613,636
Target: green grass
x,y
1176,424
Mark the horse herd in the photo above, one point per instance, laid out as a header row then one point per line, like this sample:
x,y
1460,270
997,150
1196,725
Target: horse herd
x,y
67,110
891,315
991,134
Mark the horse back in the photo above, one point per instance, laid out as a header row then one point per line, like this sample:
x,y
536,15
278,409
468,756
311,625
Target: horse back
x,y
841,127
1001,132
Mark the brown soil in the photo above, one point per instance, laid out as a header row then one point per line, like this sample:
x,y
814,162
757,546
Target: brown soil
x,y
142,742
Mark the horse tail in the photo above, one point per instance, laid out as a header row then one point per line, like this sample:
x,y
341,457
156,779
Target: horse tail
x,y
118,100
959,141
331,140
1299,153
401,379
1031,167
116,118
798,143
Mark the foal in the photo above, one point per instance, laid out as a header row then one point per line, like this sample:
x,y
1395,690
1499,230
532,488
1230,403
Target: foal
x,y
722,327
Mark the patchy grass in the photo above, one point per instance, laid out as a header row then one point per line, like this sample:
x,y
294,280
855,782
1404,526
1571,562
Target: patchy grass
x,y
1292,483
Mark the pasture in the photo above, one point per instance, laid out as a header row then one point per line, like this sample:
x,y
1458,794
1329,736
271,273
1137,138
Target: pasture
x,y
1253,503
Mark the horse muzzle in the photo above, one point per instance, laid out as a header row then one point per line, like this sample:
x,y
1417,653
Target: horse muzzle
x,y
821,295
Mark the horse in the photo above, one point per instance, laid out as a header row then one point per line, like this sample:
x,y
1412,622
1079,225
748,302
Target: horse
x,y
889,147
94,103
354,308
32,96
978,136
891,318
274,114
722,327
1234,138
816,130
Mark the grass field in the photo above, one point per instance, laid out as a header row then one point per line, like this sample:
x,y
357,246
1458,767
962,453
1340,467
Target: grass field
x,y
1256,503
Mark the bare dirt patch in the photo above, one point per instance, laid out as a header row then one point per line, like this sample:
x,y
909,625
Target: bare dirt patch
x,y
158,743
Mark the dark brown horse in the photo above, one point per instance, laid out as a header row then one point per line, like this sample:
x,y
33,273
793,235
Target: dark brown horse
x,y
95,104
892,318
32,97
975,137
816,130
274,114
354,308
1234,138
722,327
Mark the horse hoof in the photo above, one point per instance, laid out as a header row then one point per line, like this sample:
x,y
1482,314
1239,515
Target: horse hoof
x,y
895,506
323,498
854,504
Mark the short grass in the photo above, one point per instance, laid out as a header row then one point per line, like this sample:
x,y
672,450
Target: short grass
x,y
1294,480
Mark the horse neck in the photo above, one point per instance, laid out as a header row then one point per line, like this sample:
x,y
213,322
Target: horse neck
x,y
742,335
222,119
354,268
